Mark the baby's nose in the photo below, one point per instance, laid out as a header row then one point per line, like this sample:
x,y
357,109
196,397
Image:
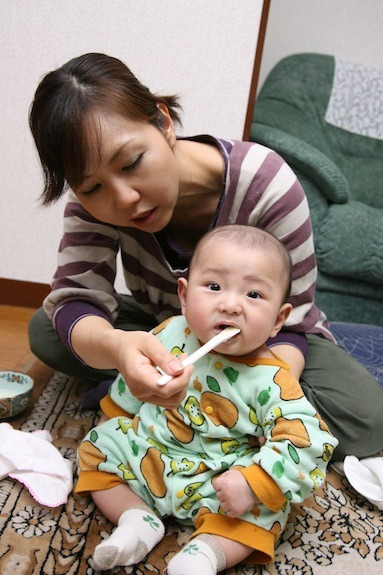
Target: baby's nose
x,y
231,304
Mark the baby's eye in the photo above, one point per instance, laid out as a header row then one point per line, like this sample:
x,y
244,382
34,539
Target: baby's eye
x,y
214,286
253,294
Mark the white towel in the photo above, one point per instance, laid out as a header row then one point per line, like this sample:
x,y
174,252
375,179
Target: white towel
x,y
364,475
36,463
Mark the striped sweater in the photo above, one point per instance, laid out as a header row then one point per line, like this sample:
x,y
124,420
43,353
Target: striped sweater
x,y
258,189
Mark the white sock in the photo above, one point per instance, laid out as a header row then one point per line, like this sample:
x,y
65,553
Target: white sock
x,y
138,531
203,554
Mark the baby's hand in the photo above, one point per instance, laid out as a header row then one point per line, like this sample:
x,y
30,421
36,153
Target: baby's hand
x,y
234,493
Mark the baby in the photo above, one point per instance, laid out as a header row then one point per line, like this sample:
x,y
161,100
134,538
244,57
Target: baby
x,y
243,444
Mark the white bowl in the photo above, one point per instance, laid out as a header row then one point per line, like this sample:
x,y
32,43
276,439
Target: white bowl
x,y
15,393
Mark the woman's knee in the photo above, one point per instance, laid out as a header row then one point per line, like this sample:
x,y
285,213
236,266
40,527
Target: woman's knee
x,y
40,330
347,397
46,345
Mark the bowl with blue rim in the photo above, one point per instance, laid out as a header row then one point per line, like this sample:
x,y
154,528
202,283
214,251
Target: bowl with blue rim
x,y
15,393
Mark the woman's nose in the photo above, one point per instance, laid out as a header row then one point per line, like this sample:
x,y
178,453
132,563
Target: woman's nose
x,y
124,196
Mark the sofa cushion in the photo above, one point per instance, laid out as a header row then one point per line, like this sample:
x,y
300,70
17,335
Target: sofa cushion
x,y
339,306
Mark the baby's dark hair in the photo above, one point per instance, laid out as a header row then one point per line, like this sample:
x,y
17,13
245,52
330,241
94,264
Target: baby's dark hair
x,y
252,237
66,98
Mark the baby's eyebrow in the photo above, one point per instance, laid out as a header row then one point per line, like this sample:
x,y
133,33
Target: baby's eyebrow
x,y
248,278
255,279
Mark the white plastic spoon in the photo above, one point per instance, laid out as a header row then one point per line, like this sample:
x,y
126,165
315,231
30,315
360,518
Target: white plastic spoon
x,y
221,337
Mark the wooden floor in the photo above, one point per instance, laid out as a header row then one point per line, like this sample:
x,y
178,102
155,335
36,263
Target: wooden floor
x,y
15,354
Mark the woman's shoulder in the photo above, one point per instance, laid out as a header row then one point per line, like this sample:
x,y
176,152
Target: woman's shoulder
x,y
252,153
238,151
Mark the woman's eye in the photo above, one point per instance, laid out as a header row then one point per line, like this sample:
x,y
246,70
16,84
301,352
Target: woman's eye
x,y
133,165
214,287
253,295
91,190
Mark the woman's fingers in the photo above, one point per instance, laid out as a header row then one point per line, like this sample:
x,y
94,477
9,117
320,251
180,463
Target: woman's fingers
x,y
144,353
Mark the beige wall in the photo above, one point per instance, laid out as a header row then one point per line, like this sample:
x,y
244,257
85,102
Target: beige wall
x,y
351,29
201,49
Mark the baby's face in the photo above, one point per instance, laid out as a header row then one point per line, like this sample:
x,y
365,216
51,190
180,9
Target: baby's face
x,y
231,286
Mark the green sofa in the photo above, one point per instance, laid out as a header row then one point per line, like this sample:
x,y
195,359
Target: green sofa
x,y
324,116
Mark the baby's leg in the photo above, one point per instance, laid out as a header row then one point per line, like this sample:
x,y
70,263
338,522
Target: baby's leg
x,y
207,554
138,528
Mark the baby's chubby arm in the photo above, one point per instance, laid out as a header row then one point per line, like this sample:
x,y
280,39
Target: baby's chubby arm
x,y
234,493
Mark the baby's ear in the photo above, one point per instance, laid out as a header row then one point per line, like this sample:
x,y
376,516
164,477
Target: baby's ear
x,y
282,316
182,290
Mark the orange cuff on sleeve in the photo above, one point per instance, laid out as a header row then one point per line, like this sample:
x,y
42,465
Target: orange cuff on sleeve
x,y
111,409
260,540
264,487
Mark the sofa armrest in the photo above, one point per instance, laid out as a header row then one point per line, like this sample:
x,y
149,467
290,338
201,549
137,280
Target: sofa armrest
x,y
350,243
310,161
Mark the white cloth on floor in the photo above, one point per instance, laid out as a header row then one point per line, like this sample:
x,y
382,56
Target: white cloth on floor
x,y
366,477
36,463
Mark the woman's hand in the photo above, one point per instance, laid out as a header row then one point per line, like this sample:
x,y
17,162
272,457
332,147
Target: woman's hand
x,y
134,354
234,493
138,358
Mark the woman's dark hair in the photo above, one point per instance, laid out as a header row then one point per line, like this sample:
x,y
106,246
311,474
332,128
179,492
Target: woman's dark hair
x,y
65,99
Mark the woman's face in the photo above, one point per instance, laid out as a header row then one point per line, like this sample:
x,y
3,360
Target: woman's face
x,y
132,177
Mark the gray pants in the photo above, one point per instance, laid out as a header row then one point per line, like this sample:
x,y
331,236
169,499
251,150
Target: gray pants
x,y
345,394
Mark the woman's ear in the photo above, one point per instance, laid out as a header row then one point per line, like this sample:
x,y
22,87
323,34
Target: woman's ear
x,y
182,291
166,124
282,316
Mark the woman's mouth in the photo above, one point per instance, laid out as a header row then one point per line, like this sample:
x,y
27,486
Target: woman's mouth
x,y
145,219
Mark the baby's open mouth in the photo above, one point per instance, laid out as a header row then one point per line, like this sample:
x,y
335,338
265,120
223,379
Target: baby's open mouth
x,y
222,326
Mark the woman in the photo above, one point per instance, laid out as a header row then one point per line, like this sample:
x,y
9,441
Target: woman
x,y
137,188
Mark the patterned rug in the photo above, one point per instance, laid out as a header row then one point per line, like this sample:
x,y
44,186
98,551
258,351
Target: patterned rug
x,y
335,531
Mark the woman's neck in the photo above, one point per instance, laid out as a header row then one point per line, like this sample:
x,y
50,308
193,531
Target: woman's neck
x,y
201,168
201,175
